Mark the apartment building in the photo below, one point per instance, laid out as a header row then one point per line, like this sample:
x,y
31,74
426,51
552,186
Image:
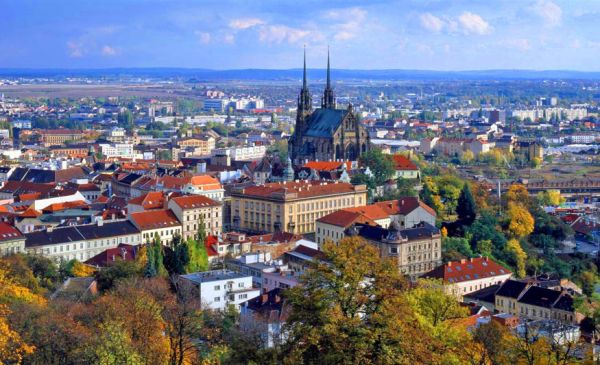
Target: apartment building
x,y
291,206
163,223
469,275
57,137
191,209
11,240
219,289
202,145
416,250
81,242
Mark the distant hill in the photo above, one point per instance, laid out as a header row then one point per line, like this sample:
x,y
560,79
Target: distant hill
x,y
295,74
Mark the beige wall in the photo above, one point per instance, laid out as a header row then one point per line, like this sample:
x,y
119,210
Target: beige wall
x,y
165,234
11,247
467,287
295,215
212,215
329,232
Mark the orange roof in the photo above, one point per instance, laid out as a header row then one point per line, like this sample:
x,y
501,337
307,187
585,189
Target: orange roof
x,y
29,196
345,218
205,182
155,219
194,201
404,206
373,212
8,232
403,163
151,200
102,199
327,165
30,213
466,270
66,205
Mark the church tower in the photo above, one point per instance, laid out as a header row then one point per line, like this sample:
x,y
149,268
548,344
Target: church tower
x,y
328,101
304,102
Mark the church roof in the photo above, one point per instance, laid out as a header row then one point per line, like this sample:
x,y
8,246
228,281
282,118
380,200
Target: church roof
x,y
323,122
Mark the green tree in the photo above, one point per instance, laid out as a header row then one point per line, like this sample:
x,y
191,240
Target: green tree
x,y
380,164
198,257
518,256
484,248
113,346
466,208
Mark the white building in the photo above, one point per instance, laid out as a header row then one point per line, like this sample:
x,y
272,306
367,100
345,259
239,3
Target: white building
x,y
81,242
117,150
241,153
219,289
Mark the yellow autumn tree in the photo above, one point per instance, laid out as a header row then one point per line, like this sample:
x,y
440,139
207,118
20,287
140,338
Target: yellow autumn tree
x,y
82,270
12,347
517,193
521,223
518,256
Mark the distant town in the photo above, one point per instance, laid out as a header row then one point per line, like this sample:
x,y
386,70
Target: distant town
x,y
181,220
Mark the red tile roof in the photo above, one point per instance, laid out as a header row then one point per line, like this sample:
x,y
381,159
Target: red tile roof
x,y
403,163
107,257
155,219
194,201
205,182
345,218
327,165
66,205
303,189
404,206
374,212
8,232
30,213
150,200
467,270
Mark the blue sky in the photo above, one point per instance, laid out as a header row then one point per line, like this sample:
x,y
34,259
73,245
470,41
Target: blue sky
x,y
375,34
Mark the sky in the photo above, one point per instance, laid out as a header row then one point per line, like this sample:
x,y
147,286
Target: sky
x,y
237,34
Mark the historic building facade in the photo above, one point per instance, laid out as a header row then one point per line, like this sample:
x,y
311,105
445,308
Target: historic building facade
x,y
327,133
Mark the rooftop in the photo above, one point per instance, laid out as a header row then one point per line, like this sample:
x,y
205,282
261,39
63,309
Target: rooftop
x,y
155,219
298,189
214,275
466,270
194,201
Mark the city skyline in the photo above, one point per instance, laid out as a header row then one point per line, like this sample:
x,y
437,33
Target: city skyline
x,y
423,35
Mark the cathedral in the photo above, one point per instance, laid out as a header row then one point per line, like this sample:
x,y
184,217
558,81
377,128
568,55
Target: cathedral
x,y
326,133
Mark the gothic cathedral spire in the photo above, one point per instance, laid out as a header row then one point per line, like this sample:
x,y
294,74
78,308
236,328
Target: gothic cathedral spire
x,y
304,100
328,97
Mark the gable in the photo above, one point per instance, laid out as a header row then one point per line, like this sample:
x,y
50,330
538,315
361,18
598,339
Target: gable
x,y
324,122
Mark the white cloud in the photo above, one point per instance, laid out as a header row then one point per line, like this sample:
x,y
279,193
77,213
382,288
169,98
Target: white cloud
x,y
351,22
109,51
245,23
75,49
472,23
431,22
467,23
548,11
203,37
281,33
229,38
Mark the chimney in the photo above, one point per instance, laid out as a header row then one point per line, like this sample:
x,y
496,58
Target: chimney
x,y
471,259
463,261
449,263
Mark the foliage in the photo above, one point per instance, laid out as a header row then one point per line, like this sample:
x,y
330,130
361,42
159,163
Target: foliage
x,y
380,164
517,255
517,193
76,268
521,223
109,276
198,257
456,248
113,346
484,248
155,261
466,208
12,346
550,198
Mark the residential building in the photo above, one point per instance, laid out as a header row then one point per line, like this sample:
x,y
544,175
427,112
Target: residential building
x,y
81,242
153,200
192,210
11,240
124,150
162,223
528,300
469,275
415,250
244,153
265,315
219,289
405,168
454,146
204,185
203,145
57,137
291,206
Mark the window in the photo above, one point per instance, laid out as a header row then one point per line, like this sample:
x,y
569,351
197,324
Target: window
x,y
240,285
243,296
217,299
217,287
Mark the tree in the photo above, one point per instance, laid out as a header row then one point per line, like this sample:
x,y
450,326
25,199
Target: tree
x,y
535,162
484,248
350,309
113,346
155,262
109,276
198,257
550,197
430,301
517,193
588,282
380,164
466,208
177,256
517,255
467,157
521,222
12,347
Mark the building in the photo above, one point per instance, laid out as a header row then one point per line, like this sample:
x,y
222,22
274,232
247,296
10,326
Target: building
x,y
243,153
530,150
291,206
162,223
57,137
11,240
469,275
454,146
202,145
405,168
81,242
192,210
265,316
416,250
204,185
219,289
124,150
407,212
534,302
327,133
153,200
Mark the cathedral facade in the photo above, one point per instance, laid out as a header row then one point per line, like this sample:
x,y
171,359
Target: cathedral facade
x,y
326,133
